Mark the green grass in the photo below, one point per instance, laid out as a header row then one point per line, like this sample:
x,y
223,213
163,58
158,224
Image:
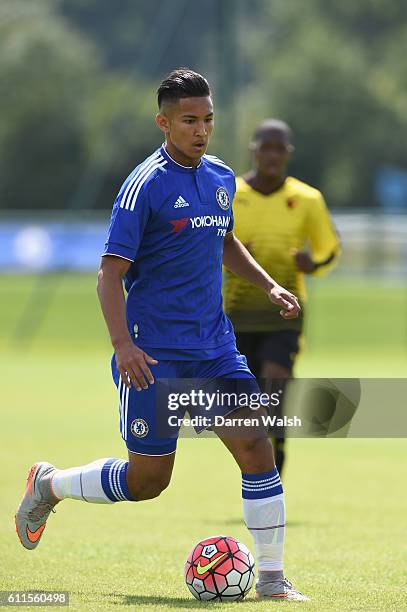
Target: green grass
x,y
346,501
355,328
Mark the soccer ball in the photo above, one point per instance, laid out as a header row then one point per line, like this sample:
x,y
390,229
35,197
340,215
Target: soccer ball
x,y
219,569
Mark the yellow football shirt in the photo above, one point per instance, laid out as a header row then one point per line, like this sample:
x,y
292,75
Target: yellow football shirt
x,y
273,227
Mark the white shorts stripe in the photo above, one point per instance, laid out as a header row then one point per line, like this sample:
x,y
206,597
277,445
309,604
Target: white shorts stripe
x,y
136,189
147,162
122,387
119,386
126,407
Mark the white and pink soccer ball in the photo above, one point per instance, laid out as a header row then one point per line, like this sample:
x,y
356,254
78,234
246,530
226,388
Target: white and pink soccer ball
x,y
219,569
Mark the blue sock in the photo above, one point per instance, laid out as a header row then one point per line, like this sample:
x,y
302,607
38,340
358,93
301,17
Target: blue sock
x,y
258,486
113,477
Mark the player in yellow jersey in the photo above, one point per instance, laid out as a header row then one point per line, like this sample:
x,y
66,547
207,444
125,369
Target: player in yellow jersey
x,y
286,225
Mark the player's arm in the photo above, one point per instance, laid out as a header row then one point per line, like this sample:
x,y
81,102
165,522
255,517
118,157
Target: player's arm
x,y
238,260
128,222
323,240
131,361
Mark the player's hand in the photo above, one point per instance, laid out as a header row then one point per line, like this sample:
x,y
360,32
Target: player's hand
x,y
290,306
304,262
132,363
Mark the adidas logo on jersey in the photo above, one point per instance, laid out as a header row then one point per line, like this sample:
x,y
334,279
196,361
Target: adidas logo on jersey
x,y
180,203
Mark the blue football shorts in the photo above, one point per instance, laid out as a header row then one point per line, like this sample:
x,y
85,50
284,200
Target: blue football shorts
x,y
144,414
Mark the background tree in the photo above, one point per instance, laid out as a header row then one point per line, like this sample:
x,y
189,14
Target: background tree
x,y
78,79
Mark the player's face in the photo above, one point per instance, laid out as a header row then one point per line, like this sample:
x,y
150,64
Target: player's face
x,y
271,154
188,126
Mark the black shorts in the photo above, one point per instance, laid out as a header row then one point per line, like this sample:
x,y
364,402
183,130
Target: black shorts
x,y
280,346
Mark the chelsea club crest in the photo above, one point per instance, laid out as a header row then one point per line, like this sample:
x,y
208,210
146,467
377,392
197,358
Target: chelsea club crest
x,y
139,428
222,198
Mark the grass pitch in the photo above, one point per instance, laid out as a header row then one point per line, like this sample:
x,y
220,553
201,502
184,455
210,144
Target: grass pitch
x,y
346,503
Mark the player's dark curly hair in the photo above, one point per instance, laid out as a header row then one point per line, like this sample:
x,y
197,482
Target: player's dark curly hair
x,y
182,83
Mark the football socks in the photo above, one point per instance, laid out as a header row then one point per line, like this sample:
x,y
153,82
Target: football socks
x,y
264,515
100,482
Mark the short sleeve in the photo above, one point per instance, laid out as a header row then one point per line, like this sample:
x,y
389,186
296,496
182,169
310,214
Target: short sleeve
x,y
130,214
323,237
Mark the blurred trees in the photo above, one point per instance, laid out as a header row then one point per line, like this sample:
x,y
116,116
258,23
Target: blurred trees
x,y
44,70
337,72
67,124
78,79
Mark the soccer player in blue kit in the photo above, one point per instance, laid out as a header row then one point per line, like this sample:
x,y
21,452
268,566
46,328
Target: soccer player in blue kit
x,y
170,231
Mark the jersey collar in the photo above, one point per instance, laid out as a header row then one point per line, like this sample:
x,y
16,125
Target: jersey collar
x,y
266,195
175,165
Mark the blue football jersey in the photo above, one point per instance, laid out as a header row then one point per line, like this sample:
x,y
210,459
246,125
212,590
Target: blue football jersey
x,y
170,221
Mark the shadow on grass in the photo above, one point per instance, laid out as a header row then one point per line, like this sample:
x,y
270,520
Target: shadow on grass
x,y
239,521
143,601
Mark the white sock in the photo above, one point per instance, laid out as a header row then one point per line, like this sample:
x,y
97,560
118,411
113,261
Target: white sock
x,y
264,515
100,482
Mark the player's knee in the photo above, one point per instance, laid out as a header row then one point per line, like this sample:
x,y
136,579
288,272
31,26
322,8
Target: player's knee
x,y
254,446
148,489
256,455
